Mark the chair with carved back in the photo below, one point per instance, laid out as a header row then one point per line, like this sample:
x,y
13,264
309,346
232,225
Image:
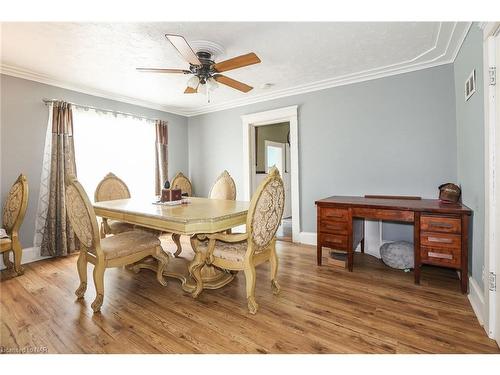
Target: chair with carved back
x,y
12,217
110,188
122,249
245,251
223,188
182,182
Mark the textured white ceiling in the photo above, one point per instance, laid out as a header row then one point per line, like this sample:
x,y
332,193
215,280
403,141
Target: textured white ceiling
x,y
103,56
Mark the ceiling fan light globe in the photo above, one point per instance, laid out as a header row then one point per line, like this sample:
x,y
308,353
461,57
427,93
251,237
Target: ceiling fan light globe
x,y
212,84
193,82
202,89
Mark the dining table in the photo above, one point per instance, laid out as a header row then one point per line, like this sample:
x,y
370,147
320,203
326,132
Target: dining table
x,y
195,217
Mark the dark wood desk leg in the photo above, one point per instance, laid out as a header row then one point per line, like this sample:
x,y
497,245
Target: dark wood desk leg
x,y
363,239
350,240
416,247
464,272
319,249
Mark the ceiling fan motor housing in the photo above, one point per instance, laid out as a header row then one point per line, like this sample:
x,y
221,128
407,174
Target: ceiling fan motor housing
x,y
205,70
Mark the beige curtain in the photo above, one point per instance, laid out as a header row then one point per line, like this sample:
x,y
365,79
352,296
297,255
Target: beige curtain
x,y
161,155
58,237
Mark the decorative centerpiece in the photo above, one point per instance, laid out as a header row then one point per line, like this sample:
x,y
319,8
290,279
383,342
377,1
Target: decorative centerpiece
x,y
170,195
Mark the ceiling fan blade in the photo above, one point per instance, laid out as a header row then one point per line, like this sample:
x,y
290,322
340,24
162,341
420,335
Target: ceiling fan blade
x,y
184,48
159,70
190,90
237,62
232,83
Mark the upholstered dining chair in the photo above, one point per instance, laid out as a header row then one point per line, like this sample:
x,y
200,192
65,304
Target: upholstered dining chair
x,y
223,188
245,251
110,188
182,182
14,210
115,251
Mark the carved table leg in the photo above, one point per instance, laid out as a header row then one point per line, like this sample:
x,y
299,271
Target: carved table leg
x,y
177,240
195,266
194,275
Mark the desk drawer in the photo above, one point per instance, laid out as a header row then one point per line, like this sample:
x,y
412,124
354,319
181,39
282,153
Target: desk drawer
x,y
334,241
440,224
440,256
383,214
334,227
441,240
338,214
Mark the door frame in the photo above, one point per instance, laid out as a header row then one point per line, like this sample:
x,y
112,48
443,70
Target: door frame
x,y
491,31
249,123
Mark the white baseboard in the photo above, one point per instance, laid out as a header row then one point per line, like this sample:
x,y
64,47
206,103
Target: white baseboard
x,y
30,254
476,300
307,238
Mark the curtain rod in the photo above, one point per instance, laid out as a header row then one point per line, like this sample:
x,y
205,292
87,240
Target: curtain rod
x,y
49,101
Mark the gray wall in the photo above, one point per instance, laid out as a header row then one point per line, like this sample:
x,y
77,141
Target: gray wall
x,y
395,135
24,123
470,141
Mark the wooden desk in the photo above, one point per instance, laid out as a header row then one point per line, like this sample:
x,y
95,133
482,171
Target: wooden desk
x,y
440,230
200,216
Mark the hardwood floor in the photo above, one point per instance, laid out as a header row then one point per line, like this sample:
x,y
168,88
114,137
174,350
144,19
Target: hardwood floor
x,y
320,310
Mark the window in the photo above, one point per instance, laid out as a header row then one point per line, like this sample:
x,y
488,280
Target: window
x,y
107,142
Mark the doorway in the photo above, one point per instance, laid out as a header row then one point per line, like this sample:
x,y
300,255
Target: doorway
x,y
270,139
271,149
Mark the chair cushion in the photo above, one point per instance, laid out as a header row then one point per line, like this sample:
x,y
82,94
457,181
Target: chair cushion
x,y
126,243
116,226
232,251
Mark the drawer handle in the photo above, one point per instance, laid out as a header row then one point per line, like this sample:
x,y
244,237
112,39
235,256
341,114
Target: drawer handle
x,y
440,239
441,225
439,255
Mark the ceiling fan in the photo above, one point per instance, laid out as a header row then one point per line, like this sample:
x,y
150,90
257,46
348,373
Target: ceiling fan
x,y
205,71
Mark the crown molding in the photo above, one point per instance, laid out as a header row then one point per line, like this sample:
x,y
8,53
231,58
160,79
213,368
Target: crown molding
x,y
27,74
461,41
451,41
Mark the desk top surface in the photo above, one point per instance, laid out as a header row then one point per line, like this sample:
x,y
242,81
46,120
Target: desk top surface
x,y
427,205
